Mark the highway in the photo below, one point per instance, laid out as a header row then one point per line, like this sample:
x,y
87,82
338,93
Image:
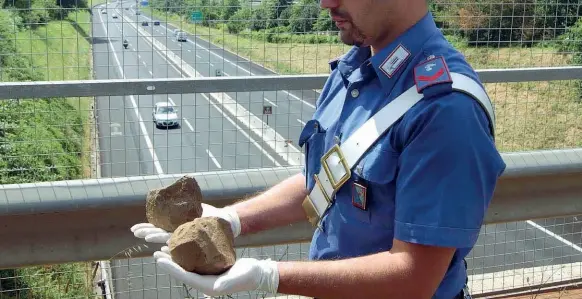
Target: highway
x,y
211,138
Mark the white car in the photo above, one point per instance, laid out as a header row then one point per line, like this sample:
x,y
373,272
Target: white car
x,y
181,36
165,115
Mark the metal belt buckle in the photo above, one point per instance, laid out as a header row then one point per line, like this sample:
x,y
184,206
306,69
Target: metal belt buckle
x,y
310,208
318,184
336,184
311,211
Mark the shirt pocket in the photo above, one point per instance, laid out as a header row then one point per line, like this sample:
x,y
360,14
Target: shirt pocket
x,y
313,139
377,171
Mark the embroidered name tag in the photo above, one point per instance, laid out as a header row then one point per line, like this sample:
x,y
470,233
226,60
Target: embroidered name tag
x,y
395,61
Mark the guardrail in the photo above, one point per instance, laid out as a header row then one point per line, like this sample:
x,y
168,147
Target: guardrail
x,y
83,220
119,87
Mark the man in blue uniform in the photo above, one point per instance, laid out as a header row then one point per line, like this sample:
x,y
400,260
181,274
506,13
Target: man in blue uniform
x,y
400,168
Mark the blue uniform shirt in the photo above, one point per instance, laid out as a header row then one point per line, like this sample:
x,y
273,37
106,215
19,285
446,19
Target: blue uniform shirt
x,y
430,178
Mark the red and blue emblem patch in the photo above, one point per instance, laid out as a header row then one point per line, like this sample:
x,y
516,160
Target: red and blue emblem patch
x,y
431,72
359,196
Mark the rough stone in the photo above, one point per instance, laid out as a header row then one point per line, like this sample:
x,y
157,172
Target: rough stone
x,y
204,246
169,207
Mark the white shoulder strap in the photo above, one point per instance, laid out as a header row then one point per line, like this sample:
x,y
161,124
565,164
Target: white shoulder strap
x,y
358,143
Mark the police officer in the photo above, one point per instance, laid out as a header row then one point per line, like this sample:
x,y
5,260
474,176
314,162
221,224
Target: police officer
x,y
400,168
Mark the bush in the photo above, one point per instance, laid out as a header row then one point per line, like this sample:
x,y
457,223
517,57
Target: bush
x,y
279,35
239,21
570,43
507,22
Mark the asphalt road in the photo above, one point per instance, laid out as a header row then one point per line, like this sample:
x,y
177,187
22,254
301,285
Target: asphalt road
x,y
209,139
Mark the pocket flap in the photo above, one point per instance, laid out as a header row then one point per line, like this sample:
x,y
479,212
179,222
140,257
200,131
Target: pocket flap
x,y
311,127
379,165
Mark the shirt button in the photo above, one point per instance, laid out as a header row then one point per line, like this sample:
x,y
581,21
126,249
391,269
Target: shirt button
x,y
355,93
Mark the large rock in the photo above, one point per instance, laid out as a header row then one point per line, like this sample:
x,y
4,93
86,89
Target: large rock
x,y
204,246
169,207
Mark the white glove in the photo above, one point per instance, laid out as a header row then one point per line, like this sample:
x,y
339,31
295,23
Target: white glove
x,y
154,234
247,274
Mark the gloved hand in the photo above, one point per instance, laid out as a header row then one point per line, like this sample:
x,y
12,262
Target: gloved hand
x,y
154,234
247,274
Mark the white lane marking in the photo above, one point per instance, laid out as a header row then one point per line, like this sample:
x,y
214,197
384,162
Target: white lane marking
x,y
225,73
270,136
268,101
157,165
253,141
188,124
211,64
139,56
189,50
213,158
150,73
144,63
301,122
242,68
171,101
198,56
559,238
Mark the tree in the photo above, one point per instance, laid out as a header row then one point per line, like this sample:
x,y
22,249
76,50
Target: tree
x,y
230,8
303,15
324,22
239,21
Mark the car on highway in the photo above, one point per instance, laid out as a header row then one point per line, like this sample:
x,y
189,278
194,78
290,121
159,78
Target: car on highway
x,y
144,23
181,36
156,23
137,12
114,16
103,11
165,115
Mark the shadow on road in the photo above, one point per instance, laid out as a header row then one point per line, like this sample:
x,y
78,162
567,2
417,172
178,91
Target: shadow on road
x,y
85,35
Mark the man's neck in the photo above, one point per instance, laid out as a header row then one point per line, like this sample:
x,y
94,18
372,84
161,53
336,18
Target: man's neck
x,y
397,27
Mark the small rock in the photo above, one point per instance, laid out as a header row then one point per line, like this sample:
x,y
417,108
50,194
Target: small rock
x,y
169,207
204,246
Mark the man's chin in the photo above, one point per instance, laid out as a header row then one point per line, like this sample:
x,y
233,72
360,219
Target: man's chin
x,y
347,39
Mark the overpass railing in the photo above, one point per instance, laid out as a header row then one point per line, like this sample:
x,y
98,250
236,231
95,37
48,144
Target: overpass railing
x,y
88,220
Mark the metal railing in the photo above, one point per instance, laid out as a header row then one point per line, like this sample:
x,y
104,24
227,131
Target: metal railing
x,y
536,185
546,182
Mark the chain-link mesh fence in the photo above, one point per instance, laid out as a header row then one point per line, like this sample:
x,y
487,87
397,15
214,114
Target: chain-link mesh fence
x,y
71,138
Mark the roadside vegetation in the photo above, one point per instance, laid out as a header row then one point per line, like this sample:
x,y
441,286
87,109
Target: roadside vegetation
x,y
45,139
298,38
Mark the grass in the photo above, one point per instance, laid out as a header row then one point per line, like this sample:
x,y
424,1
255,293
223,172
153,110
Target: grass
x,y
61,51
52,282
530,116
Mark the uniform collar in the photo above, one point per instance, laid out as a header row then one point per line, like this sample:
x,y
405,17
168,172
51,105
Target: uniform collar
x,y
389,62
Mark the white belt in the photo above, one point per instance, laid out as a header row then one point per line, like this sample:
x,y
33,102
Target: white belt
x,y
337,163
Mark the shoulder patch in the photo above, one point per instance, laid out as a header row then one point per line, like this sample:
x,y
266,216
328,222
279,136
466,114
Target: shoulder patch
x,y
431,72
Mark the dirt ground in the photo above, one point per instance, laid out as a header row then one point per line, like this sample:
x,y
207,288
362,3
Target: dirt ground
x,y
570,293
